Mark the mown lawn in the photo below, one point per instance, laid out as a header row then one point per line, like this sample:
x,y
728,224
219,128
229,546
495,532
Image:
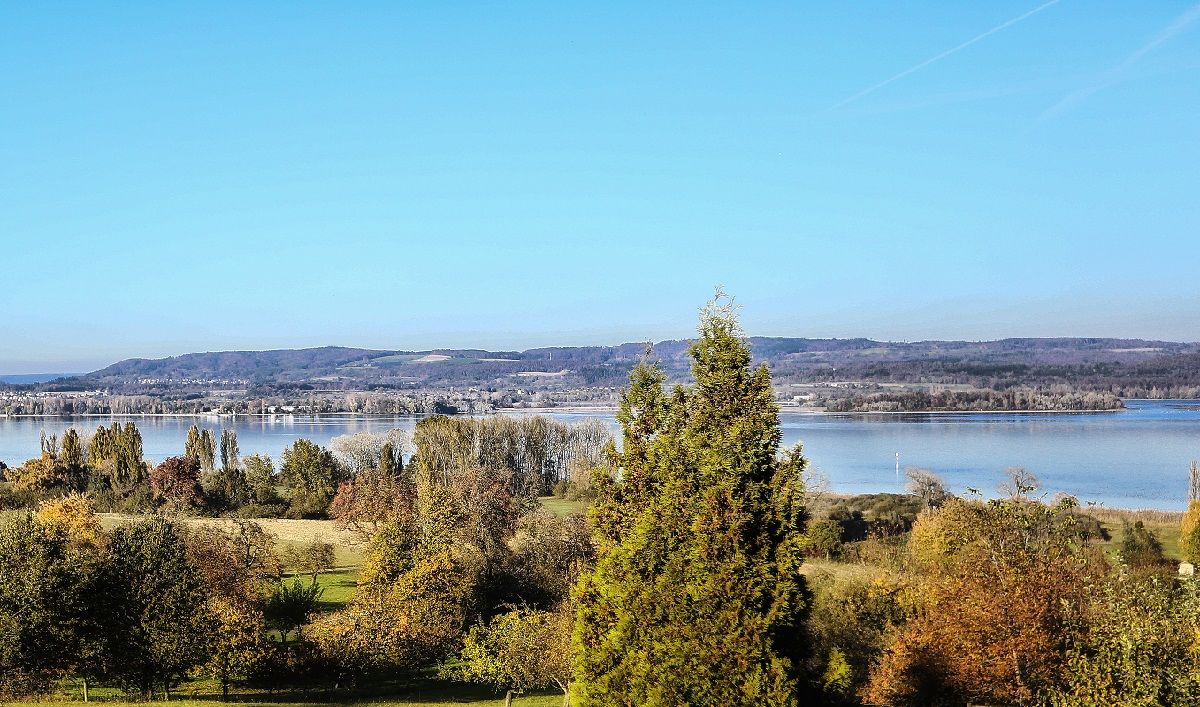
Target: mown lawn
x,y
339,588
521,700
561,506
416,692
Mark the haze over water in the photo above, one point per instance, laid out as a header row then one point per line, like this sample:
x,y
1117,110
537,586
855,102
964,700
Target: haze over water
x,y
1137,458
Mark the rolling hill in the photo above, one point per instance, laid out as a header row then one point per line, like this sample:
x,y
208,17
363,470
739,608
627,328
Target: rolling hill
x,y
1093,363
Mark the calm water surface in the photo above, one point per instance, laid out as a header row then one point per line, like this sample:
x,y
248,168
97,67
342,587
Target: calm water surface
x,y
1135,458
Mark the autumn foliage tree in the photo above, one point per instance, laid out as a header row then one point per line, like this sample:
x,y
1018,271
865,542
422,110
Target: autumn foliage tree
x,y
311,474
1004,583
62,466
75,515
1139,644
176,483
1189,531
373,498
520,650
236,629
546,555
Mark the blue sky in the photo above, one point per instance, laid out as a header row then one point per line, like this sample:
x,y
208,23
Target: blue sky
x,y
177,178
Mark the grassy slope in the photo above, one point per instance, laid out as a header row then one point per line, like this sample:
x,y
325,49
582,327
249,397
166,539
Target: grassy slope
x,y
1163,524
288,533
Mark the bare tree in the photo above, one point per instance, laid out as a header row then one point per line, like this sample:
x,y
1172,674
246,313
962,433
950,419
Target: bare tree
x,y
363,450
927,486
1020,482
816,484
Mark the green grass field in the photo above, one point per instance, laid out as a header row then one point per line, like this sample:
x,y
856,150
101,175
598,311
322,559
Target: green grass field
x,y
522,701
412,691
446,700
339,588
561,506
1163,524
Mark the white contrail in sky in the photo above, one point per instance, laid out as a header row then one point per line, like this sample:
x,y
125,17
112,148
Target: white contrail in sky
x,y
943,55
1113,75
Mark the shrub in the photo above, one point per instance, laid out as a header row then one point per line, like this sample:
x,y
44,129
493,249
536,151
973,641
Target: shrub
x,y
1140,548
823,538
1190,533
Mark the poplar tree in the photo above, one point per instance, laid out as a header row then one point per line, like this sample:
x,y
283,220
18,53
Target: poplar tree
x,y
230,454
232,483
207,449
696,596
73,460
201,446
191,448
130,468
117,453
391,460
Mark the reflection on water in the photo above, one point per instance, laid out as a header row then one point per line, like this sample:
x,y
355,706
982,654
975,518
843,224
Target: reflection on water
x,y
1135,458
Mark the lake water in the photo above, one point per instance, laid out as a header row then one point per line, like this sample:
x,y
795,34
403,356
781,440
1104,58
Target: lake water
x,y
1136,458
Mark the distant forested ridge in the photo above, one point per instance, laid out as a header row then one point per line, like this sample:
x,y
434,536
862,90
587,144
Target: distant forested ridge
x,y
838,374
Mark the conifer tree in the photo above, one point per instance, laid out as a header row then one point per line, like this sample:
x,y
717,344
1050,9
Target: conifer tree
x,y
696,596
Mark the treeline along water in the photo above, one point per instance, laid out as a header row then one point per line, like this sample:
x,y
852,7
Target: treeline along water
x,y
1136,458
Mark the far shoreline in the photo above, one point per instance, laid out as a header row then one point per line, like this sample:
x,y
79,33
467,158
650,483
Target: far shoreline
x,y
565,410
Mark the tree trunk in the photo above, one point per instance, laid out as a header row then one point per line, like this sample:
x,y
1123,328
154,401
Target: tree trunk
x,y
224,690
566,697
85,690
508,698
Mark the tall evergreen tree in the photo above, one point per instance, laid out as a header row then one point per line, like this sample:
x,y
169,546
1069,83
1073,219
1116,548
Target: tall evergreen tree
x,y
696,596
